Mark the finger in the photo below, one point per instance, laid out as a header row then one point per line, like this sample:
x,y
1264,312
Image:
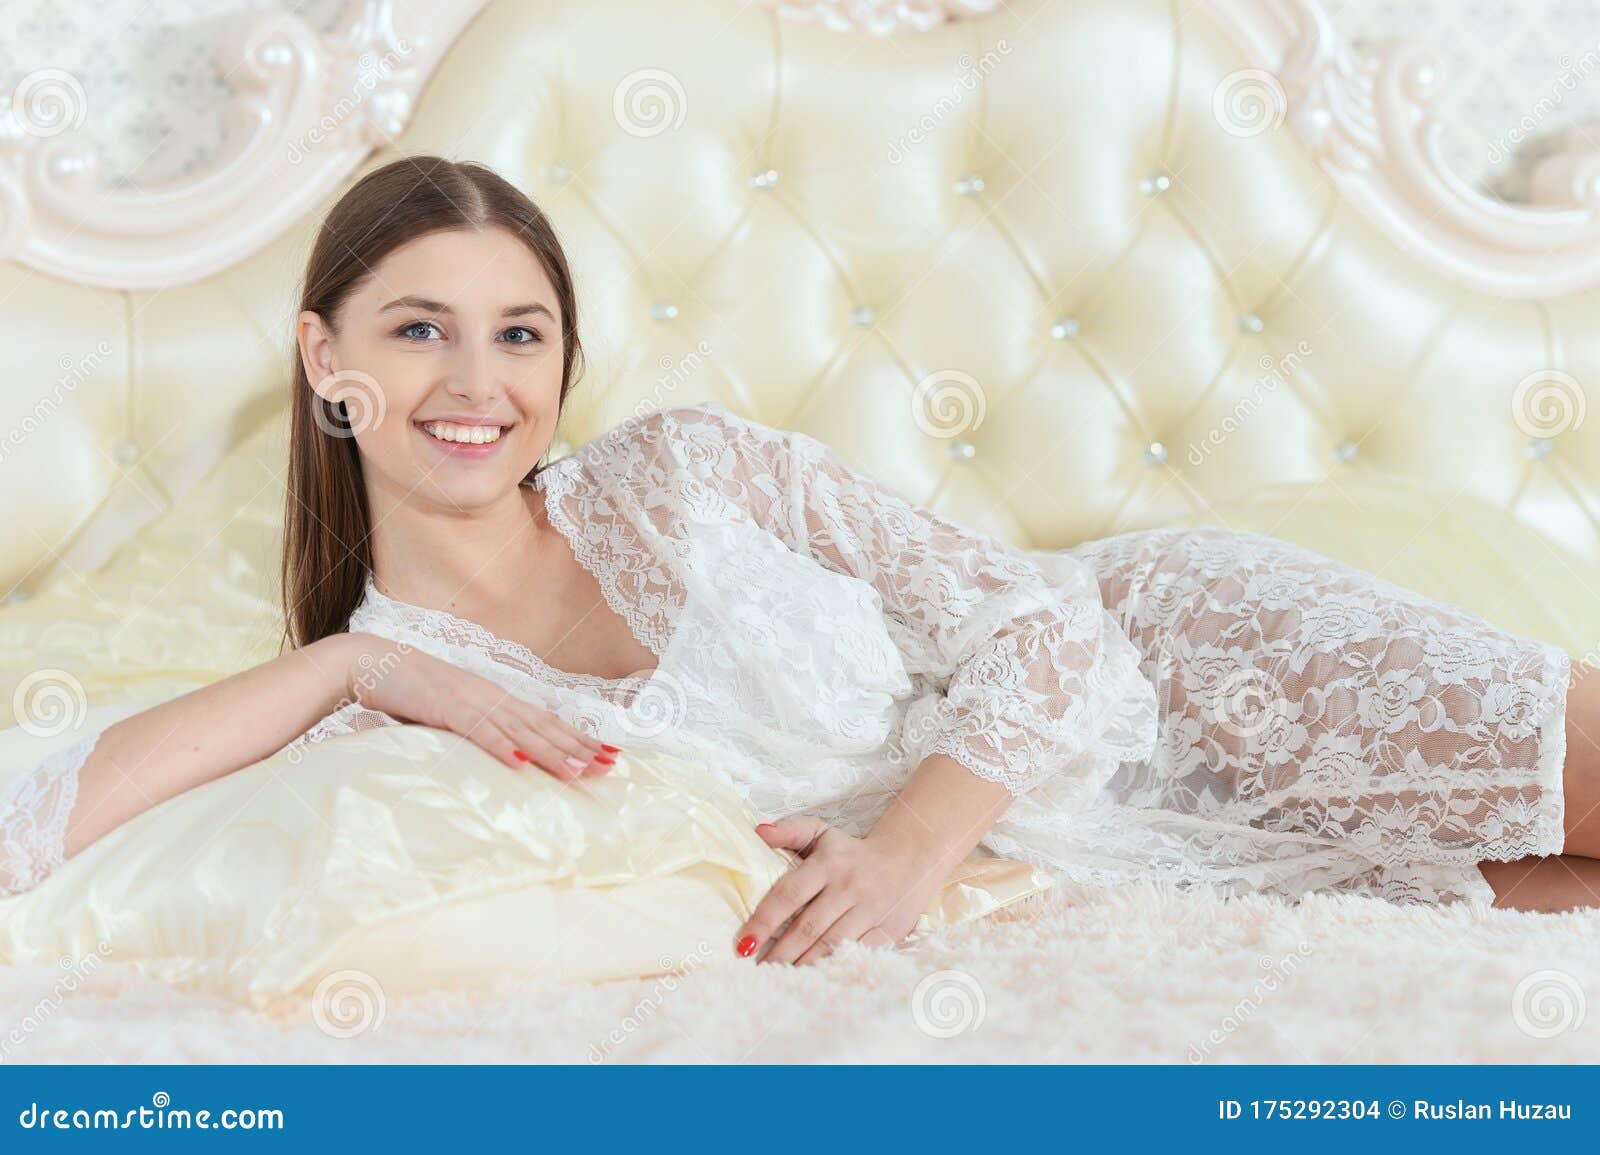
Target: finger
x,y
799,833
810,924
850,926
589,746
466,720
545,755
787,895
530,722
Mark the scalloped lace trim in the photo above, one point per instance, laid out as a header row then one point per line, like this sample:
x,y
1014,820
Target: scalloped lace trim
x,y
34,812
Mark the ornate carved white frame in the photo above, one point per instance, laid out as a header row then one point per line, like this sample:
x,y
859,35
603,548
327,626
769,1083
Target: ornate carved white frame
x,y
1371,115
306,109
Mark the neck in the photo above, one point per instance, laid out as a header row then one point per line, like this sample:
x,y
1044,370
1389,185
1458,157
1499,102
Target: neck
x,y
445,557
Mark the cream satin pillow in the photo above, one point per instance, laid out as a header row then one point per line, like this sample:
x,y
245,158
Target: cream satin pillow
x,y
406,858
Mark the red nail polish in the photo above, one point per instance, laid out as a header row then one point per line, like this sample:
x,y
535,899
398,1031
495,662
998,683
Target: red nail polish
x,y
747,946
610,748
604,761
521,757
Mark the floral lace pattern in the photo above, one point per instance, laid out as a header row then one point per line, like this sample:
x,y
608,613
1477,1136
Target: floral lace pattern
x,y
34,808
1204,706
1321,727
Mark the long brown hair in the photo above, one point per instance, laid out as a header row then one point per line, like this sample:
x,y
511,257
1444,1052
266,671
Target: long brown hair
x,y
327,548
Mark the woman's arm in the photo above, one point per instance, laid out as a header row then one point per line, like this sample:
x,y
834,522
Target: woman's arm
x,y
161,752
80,792
941,813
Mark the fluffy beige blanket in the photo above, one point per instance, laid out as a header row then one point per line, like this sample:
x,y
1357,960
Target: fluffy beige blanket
x,y
1137,974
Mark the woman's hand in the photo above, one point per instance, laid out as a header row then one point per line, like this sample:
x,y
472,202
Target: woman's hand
x,y
403,682
848,889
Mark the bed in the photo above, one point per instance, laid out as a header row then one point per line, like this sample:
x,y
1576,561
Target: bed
x,y
1053,269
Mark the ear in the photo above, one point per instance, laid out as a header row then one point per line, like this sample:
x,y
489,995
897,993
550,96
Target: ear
x,y
316,351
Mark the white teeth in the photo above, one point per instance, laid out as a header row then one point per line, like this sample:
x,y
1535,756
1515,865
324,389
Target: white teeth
x,y
467,434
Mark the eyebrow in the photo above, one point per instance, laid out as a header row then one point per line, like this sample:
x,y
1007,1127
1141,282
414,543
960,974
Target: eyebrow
x,y
431,306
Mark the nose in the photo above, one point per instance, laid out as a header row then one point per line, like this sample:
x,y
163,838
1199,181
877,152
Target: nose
x,y
471,376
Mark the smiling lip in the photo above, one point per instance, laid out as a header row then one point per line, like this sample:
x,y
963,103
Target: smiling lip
x,y
460,448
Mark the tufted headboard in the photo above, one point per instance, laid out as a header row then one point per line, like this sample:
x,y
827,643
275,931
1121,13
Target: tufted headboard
x,y
1057,269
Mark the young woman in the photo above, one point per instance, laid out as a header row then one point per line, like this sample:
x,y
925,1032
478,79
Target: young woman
x,y
1202,706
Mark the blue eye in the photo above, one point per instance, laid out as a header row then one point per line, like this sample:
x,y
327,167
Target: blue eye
x,y
405,330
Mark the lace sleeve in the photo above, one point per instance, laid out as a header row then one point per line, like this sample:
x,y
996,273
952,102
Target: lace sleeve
x,y
34,808
1037,678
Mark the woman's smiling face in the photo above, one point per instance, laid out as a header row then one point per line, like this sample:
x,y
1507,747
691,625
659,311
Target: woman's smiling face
x,y
455,337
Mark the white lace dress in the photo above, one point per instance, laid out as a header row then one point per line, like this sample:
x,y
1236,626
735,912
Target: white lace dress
x,y
1202,706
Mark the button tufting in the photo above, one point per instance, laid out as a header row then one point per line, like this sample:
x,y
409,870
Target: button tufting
x,y
766,178
1250,323
1065,329
1155,184
1346,451
1155,453
1539,447
969,185
863,315
126,451
663,310
557,173
963,450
